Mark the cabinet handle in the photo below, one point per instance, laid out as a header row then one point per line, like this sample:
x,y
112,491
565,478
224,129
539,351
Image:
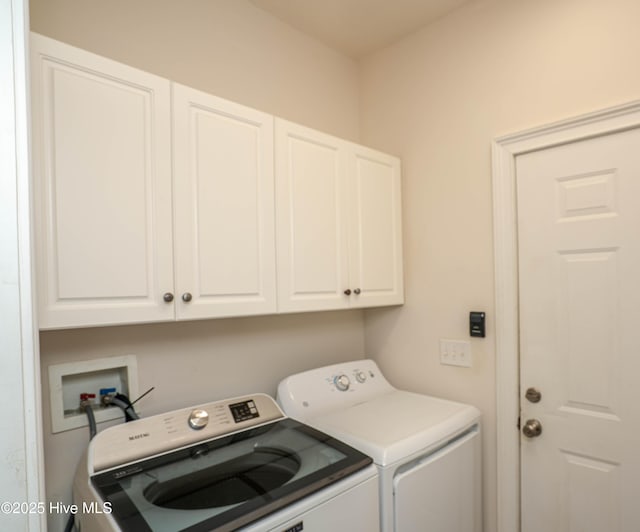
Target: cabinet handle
x,y
356,291
168,297
186,297
347,292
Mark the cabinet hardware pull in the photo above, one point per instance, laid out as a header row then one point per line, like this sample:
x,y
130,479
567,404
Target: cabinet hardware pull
x,y
186,297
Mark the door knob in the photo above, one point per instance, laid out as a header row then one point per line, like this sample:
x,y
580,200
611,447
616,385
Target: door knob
x,y
168,297
532,428
186,297
347,292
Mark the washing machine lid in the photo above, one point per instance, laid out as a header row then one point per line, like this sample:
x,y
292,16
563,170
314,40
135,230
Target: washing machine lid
x,y
227,482
398,424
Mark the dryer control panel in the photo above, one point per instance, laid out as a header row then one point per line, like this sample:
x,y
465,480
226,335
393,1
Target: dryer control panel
x,y
312,393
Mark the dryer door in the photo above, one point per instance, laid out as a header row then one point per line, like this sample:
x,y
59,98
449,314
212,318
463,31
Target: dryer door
x,y
442,490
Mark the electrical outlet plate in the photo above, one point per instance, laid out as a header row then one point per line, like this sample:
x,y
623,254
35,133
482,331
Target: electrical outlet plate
x,y
68,381
455,352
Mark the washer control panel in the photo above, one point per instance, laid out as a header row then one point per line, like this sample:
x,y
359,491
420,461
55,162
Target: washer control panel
x,y
156,434
244,411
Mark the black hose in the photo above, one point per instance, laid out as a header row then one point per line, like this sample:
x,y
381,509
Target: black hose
x,y
93,430
122,401
70,523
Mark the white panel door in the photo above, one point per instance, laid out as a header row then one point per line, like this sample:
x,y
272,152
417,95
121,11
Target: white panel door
x,y
579,255
224,207
102,170
310,219
375,243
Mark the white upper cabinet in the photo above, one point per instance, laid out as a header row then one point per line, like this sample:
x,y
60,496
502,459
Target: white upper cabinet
x,y
102,174
313,270
154,201
375,221
338,223
224,219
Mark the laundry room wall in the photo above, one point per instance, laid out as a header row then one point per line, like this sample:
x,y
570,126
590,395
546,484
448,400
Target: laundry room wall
x,y
229,48
437,99
234,50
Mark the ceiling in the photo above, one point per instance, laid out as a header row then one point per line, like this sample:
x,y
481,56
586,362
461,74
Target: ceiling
x,y
358,27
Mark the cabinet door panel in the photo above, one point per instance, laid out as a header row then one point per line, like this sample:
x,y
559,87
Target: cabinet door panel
x,y
225,250
311,229
103,183
375,242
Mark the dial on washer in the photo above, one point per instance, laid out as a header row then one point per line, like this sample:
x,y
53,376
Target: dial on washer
x,y
198,419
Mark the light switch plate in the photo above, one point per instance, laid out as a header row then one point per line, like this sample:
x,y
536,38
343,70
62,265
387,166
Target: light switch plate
x,y
455,352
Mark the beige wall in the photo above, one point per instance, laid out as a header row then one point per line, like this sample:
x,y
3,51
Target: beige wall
x,y
437,99
232,49
191,363
227,47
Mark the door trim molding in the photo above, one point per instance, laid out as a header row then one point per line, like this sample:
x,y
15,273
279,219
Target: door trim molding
x,y
504,150
22,466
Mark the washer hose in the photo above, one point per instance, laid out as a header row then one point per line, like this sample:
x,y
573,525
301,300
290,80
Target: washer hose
x,y
93,430
122,401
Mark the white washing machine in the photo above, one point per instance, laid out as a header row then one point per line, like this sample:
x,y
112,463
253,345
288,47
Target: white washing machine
x,y
427,450
237,464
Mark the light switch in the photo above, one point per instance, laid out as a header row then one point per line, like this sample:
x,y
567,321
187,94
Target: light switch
x,y
455,352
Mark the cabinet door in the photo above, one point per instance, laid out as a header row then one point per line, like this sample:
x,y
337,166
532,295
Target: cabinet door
x,y
223,190
102,175
375,236
310,225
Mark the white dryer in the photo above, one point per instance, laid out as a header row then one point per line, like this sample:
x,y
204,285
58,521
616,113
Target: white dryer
x,y
427,450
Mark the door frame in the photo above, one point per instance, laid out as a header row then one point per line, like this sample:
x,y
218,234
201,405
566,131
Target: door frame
x,y
504,150
22,468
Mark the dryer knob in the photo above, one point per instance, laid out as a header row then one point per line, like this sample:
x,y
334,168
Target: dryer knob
x,y
361,376
342,382
198,419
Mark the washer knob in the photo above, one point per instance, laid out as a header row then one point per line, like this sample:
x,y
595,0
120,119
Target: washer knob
x,y
198,419
361,376
342,382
